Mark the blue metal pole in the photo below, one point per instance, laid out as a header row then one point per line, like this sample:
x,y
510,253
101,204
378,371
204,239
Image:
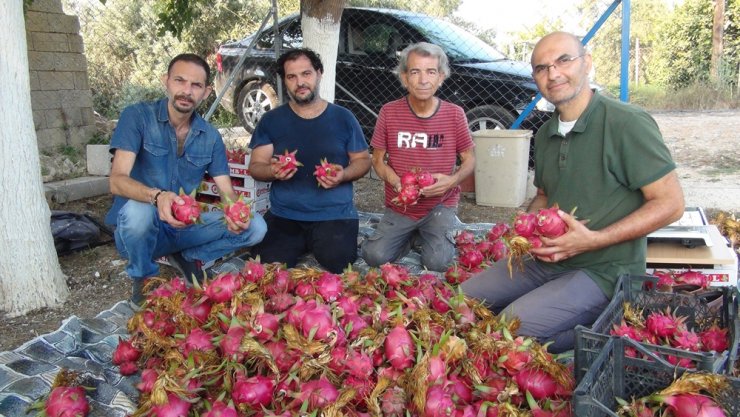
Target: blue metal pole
x,y
624,77
590,34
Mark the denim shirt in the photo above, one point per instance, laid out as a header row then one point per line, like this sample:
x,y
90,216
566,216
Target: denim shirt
x,y
145,129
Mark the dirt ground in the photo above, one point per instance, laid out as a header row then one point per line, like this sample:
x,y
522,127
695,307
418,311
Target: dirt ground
x,y
704,144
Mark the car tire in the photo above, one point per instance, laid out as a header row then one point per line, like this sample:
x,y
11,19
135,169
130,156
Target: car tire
x,y
489,117
255,99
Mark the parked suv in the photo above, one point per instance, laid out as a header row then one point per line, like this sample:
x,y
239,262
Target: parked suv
x,y
492,89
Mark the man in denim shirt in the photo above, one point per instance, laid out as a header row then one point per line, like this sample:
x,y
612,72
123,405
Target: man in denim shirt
x,y
160,148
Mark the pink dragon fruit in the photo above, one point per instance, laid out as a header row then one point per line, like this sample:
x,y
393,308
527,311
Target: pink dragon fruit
x,y
189,211
329,286
693,405
174,407
326,169
408,179
219,409
393,402
223,287
399,348
424,179
498,231
198,339
549,222
692,278
237,211
715,339
663,325
256,391
67,401
125,352
471,258
524,224
288,161
439,402
408,196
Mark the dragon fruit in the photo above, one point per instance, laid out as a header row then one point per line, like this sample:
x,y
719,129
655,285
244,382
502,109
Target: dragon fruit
x,y
471,258
424,179
125,352
693,405
663,324
692,278
524,224
189,211
399,348
498,231
174,407
549,223
408,179
256,391
715,339
288,161
219,409
326,169
237,211
67,402
223,287
408,196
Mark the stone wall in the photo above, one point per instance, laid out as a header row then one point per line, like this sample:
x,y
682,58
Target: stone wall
x,y
60,93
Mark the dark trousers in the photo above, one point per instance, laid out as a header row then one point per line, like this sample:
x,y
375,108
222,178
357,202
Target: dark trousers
x,y
550,305
332,242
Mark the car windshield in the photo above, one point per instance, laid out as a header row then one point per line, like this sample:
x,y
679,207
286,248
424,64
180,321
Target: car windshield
x,y
460,45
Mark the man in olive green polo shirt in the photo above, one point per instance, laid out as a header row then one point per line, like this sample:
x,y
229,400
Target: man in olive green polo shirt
x,y
608,160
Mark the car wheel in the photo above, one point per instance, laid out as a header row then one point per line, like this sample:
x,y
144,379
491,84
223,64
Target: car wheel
x,y
255,99
489,117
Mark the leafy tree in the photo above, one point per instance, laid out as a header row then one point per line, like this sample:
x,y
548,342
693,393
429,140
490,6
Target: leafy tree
x,y
128,46
605,46
684,52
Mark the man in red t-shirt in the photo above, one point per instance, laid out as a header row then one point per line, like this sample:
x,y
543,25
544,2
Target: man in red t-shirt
x,y
420,132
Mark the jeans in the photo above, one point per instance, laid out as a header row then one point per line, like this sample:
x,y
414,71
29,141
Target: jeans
x,y
395,232
549,305
141,237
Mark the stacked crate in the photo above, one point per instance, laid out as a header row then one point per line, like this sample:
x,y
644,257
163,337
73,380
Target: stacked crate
x,y
255,192
600,378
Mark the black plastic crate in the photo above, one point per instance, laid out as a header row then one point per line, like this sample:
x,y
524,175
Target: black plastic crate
x,y
616,375
701,312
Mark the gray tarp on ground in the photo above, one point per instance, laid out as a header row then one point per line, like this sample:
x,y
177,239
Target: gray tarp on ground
x,y
86,346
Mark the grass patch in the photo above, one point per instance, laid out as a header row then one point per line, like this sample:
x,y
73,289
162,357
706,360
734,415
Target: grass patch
x,y
698,96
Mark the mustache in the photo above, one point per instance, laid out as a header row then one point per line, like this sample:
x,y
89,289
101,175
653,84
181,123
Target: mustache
x,y
184,97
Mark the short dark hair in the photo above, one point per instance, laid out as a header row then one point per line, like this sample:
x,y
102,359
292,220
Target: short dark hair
x,y
192,58
294,54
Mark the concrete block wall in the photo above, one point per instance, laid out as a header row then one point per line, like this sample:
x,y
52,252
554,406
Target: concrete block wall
x,y
60,94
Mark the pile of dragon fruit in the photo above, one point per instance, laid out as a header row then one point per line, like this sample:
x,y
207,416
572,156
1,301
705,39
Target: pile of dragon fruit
x,y
504,241
270,341
667,329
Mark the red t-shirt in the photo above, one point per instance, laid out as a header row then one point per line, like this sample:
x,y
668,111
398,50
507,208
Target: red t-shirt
x,y
431,144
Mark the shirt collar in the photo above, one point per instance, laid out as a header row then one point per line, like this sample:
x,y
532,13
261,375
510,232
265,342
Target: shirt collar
x,y
196,121
581,123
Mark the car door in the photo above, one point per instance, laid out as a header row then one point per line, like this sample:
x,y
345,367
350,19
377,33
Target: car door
x,y
366,63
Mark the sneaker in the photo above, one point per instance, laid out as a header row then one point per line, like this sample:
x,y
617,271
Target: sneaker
x,y
187,269
137,292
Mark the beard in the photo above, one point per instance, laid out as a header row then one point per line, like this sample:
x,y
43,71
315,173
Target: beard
x,y
177,106
307,99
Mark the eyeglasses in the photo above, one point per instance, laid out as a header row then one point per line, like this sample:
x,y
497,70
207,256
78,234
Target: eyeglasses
x,y
559,64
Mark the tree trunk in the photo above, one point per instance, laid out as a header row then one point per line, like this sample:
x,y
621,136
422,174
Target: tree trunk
x,y
320,21
30,276
717,39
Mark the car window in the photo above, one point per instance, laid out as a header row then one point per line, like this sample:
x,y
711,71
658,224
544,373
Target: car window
x,y
290,34
460,45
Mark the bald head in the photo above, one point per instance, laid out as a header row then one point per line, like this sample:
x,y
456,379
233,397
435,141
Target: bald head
x,y
560,67
559,39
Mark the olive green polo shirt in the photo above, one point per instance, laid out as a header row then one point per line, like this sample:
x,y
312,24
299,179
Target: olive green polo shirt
x,y
598,168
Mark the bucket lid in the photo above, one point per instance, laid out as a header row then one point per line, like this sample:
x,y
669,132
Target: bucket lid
x,y
503,133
